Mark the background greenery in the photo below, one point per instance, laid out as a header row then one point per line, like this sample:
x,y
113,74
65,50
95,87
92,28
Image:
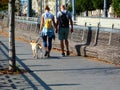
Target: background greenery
x,y
3,5
116,5
81,5
89,5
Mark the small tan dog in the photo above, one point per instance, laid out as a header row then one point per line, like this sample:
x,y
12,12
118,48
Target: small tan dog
x,y
35,48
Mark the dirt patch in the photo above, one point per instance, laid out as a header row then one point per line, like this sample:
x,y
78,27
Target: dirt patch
x,y
104,61
4,33
7,35
7,71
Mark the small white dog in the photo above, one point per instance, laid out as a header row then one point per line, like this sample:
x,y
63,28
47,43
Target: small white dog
x,y
35,48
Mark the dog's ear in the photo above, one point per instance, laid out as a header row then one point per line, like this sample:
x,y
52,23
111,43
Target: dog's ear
x,y
31,41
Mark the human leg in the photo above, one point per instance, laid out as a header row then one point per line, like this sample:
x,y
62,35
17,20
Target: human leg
x,y
49,45
61,36
62,47
67,47
66,41
45,44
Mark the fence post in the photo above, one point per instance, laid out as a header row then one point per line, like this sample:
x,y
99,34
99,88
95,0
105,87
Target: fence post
x,y
96,34
110,36
83,34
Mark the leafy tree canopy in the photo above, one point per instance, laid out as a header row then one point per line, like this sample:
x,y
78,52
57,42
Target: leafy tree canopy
x,y
89,5
116,7
3,5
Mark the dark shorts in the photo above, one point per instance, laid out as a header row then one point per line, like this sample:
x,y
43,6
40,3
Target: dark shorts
x,y
63,33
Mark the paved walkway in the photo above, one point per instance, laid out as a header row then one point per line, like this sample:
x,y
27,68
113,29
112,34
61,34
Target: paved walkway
x,y
57,72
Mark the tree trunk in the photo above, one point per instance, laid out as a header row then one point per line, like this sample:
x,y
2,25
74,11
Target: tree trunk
x,y
12,55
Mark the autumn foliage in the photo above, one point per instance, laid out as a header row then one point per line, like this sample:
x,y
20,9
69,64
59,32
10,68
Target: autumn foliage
x,y
4,1
3,4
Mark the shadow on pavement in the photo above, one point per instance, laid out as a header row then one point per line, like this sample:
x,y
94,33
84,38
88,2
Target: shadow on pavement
x,y
37,78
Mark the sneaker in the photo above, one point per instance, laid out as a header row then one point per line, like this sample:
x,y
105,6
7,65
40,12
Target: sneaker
x,y
63,54
67,53
48,55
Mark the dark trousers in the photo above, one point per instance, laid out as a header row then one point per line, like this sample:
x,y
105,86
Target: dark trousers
x,y
47,42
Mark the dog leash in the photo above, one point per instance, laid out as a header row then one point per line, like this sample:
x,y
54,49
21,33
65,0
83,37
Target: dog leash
x,y
37,39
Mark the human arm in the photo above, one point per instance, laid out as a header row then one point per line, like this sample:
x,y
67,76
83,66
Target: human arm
x,y
54,24
57,21
42,22
71,23
57,25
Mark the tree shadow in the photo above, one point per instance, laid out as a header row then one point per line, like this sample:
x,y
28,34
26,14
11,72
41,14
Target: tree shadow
x,y
63,84
27,79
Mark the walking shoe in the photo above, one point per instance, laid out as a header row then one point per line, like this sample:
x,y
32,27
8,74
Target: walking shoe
x,y
63,54
67,53
46,53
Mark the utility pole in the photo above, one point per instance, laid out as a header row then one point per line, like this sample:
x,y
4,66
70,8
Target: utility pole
x,y
56,7
105,8
41,7
74,10
12,54
29,14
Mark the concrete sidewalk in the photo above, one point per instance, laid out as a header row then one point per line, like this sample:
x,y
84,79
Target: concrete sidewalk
x,y
56,72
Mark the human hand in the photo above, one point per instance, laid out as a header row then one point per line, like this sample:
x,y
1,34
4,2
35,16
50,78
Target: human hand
x,y
71,30
53,37
56,30
39,32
